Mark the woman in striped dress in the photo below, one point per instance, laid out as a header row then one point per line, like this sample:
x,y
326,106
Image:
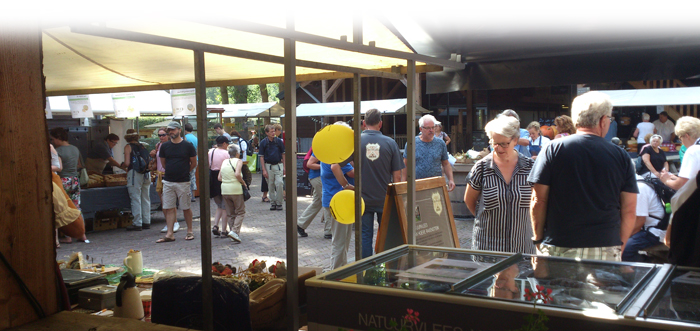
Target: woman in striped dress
x,y
498,192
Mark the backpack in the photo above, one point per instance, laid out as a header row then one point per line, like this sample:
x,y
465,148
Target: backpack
x,y
248,151
664,193
139,158
306,160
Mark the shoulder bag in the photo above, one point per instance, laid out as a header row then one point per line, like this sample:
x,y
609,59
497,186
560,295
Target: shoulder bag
x,y
246,193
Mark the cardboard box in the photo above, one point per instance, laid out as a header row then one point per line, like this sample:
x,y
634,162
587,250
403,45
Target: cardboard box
x,y
104,224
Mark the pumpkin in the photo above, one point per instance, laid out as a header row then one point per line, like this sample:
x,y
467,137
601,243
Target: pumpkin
x,y
548,131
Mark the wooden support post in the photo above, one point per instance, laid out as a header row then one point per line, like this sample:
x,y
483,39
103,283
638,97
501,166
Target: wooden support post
x,y
26,223
357,126
290,164
411,152
203,187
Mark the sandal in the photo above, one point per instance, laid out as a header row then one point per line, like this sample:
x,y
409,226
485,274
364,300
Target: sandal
x,y
189,236
215,230
265,199
164,240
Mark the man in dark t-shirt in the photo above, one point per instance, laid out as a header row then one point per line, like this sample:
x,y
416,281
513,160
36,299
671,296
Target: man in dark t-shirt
x,y
585,189
381,165
271,153
179,157
101,155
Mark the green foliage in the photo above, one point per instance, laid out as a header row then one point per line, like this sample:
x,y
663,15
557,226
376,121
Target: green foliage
x,y
251,94
535,322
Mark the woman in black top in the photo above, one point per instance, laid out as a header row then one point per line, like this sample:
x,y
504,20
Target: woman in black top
x,y
653,157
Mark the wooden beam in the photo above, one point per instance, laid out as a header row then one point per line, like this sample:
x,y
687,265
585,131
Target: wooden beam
x,y
324,91
334,87
334,75
393,90
27,219
308,38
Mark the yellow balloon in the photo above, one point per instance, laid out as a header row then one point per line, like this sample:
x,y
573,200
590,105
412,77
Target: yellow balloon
x,y
343,206
333,144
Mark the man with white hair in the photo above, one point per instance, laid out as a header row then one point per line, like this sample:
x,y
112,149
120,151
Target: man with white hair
x,y
585,189
431,154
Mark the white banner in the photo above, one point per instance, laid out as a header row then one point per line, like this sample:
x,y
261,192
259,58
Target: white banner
x,y
80,106
183,102
125,105
47,111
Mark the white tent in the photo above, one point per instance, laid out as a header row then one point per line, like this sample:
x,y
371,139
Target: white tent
x,y
392,106
655,97
265,109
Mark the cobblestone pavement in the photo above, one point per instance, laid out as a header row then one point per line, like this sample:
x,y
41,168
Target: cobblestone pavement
x,y
263,238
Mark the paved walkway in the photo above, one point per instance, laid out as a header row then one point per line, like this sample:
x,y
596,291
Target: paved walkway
x,y
263,238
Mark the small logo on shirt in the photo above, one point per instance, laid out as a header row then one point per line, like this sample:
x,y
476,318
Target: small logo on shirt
x,y
372,151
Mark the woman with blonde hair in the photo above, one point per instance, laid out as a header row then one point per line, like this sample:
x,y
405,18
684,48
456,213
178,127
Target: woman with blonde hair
x,y
565,126
501,224
653,157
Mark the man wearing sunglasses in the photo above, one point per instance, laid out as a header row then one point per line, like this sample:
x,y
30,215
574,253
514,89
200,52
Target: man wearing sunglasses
x,y
431,154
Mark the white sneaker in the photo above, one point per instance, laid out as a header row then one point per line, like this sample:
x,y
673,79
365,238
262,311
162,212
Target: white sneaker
x,y
164,230
234,236
177,227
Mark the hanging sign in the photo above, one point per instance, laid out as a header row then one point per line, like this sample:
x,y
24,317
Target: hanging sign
x,y
125,105
47,110
80,106
183,102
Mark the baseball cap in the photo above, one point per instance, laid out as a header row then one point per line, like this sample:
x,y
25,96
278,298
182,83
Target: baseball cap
x,y
174,125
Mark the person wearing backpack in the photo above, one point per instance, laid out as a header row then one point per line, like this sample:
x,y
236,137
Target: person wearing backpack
x,y
138,178
652,219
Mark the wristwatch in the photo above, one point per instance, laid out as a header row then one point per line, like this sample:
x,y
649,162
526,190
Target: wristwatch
x,y
537,242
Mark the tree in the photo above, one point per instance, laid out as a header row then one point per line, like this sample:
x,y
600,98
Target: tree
x,y
244,94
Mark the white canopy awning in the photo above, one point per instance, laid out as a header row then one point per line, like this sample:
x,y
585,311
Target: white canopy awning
x,y
264,109
655,97
392,106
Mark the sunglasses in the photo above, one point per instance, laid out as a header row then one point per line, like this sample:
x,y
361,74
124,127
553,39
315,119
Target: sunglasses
x,y
162,135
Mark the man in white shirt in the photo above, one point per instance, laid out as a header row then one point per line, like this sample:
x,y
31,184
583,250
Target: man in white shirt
x,y
650,211
665,128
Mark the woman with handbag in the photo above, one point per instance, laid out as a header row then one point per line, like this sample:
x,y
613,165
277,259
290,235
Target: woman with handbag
x,y
69,174
217,156
234,190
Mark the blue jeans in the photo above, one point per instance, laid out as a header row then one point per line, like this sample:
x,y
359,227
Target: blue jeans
x,y
368,228
637,242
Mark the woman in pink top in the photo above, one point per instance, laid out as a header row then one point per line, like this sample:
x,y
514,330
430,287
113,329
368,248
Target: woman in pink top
x,y
216,157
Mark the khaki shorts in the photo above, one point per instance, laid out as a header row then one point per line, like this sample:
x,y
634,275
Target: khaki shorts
x,y
159,182
174,192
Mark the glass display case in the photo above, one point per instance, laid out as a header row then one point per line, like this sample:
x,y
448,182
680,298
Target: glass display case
x,y
440,289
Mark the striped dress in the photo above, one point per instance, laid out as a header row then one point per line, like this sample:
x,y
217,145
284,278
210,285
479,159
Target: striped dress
x,y
503,211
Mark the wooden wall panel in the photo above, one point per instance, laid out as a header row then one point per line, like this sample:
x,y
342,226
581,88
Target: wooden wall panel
x,y
26,218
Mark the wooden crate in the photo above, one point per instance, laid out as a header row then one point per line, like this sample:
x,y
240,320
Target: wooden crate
x,y
125,220
102,224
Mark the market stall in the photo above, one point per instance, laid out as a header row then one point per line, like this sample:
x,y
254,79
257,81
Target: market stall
x,y
430,288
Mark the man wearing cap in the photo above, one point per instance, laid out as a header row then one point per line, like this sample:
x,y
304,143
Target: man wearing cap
x,y
101,155
179,157
665,128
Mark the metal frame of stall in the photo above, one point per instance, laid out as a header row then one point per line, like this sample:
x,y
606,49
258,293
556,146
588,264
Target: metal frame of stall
x,y
290,62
